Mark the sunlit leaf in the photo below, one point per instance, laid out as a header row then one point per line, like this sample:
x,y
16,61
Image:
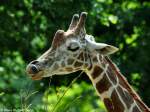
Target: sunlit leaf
x,y
113,19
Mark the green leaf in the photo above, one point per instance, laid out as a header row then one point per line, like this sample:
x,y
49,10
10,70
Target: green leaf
x,y
113,19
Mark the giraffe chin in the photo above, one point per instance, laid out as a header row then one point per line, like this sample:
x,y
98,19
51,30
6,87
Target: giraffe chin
x,y
37,76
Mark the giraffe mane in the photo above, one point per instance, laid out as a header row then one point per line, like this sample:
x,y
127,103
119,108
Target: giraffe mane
x,y
126,84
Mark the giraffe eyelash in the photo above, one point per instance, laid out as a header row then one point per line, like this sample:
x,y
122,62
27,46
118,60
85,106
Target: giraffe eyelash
x,y
73,49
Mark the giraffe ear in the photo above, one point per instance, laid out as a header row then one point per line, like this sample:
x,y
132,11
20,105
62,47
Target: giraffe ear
x,y
102,48
106,49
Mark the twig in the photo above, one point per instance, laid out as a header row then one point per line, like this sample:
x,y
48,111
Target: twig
x,y
59,100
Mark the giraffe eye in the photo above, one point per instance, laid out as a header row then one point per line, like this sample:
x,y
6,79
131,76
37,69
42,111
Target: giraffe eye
x,y
73,47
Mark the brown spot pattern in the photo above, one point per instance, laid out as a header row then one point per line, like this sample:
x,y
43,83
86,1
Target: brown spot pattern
x,y
69,69
109,105
63,64
86,56
95,59
78,64
70,61
118,106
103,84
140,106
81,56
112,75
100,58
55,66
122,83
135,109
96,72
127,98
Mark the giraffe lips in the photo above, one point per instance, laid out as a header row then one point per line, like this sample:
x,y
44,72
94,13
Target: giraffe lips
x,y
34,72
37,76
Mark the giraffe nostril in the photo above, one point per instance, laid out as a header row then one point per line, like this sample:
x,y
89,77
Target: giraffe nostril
x,y
34,69
34,62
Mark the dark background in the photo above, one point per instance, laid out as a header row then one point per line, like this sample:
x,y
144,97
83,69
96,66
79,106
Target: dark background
x,y
27,28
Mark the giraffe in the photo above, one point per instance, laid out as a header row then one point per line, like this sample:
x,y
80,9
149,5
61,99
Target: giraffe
x,y
75,50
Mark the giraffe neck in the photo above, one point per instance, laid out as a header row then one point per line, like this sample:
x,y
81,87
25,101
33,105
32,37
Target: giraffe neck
x,y
113,88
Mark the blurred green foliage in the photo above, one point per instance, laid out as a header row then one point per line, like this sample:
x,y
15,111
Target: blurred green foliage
x,y
27,28
76,99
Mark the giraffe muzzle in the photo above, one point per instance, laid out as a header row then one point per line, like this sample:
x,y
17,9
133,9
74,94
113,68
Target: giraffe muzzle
x,y
33,71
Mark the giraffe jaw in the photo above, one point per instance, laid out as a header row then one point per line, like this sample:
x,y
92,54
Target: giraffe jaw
x,y
37,76
41,74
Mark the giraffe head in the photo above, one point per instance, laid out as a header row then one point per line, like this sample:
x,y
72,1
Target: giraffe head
x,y
70,51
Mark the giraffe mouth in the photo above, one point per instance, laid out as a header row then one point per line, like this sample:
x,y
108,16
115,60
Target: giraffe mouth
x,y
37,76
34,72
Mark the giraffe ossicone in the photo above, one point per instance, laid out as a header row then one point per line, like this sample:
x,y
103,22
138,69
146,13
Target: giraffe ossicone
x,y
75,50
